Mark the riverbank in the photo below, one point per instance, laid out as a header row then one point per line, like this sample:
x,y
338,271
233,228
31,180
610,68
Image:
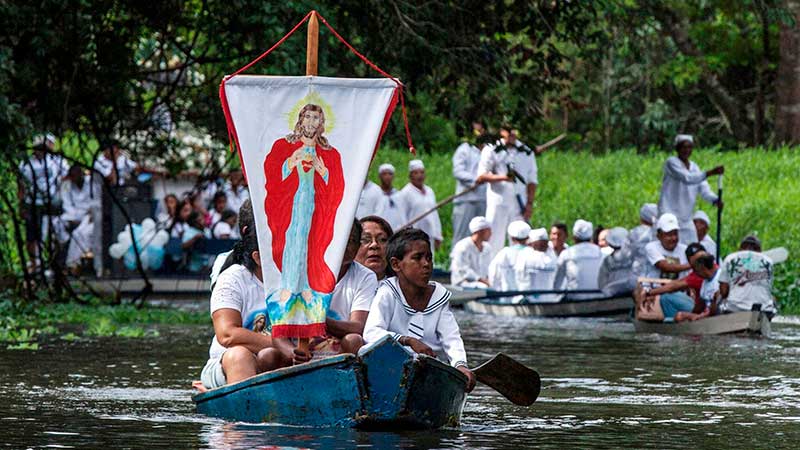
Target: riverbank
x,y
761,194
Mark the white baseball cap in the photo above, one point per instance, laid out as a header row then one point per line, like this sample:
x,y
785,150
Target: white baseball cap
x,y
617,237
385,168
649,212
478,223
519,229
668,222
582,229
537,234
701,215
415,164
681,138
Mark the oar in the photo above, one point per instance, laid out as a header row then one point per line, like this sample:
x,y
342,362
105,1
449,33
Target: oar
x,y
719,217
777,255
440,204
514,381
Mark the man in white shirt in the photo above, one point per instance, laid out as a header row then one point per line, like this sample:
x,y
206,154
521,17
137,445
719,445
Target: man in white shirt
x,y
469,260
558,240
509,166
236,190
666,256
393,208
465,171
682,181
616,272
75,222
579,265
701,224
502,273
642,235
535,268
370,203
419,198
745,279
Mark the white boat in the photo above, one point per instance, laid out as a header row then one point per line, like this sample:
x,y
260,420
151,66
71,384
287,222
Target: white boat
x,y
751,322
607,306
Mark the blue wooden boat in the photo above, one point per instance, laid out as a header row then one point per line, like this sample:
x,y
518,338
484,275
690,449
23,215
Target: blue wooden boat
x,y
387,387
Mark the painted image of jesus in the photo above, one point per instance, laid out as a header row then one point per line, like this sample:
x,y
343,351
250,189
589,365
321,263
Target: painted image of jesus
x,y
305,185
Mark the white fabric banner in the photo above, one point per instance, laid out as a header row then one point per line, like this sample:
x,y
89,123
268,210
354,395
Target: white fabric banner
x,y
306,144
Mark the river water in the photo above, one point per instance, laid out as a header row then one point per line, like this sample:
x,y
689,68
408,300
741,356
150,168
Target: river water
x,y
602,387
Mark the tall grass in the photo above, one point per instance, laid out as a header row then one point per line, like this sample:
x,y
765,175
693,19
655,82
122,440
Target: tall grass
x,y
761,195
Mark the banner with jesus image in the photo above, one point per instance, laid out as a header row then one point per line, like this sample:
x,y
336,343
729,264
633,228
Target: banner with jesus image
x,y
306,144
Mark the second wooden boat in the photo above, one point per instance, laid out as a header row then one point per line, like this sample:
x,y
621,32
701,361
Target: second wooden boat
x,y
750,322
607,306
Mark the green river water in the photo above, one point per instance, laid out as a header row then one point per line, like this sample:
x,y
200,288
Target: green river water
x,y
602,387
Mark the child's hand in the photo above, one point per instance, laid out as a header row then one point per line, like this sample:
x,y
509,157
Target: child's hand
x,y
419,346
470,377
301,357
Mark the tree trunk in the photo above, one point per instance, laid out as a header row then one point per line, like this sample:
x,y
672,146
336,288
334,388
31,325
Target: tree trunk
x,y
787,86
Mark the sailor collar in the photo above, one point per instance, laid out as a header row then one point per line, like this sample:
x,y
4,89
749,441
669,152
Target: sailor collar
x,y
439,297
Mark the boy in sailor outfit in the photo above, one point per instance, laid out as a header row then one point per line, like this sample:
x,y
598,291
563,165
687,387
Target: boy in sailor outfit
x,y
413,310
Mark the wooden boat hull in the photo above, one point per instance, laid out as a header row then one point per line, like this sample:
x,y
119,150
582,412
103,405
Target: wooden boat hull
x,y
387,387
611,306
752,322
328,392
410,391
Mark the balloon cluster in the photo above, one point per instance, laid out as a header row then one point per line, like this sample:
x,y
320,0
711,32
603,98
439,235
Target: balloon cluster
x,y
148,240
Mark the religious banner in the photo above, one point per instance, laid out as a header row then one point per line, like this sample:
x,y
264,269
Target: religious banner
x,y
306,144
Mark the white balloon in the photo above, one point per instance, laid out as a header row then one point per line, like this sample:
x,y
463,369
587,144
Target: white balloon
x,y
148,224
160,239
118,249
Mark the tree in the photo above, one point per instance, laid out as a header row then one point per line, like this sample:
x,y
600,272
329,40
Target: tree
x,y
787,86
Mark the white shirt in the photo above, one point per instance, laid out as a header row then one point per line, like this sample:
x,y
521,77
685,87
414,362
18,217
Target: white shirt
x,y
679,189
124,167
551,250
221,230
502,273
238,289
46,173
656,252
709,288
467,263
235,197
219,261
371,201
354,292
709,245
536,270
639,237
578,267
435,326
616,273
749,276
465,171
393,209
77,201
416,203
498,163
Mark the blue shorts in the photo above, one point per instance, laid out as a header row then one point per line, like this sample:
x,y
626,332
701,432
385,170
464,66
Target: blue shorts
x,y
675,302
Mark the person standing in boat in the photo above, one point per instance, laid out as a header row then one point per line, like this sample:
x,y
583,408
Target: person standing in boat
x,y
536,268
701,224
465,171
502,273
641,235
666,256
375,234
414,311
393,208
746,280
578,265
469,260
682,181
419,198
371,200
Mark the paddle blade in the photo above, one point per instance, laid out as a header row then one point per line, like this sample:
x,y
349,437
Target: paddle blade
x,y
514,381
777,255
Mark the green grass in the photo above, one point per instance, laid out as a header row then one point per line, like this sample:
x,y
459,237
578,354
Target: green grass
x,y
761,194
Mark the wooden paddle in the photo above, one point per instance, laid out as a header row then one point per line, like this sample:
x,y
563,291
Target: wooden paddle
x,y
777,255
514,381
719,219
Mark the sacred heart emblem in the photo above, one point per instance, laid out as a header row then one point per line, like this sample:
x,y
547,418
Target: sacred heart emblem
x,y
307,165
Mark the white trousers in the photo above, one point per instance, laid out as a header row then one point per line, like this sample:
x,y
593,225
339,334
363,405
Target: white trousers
x,y
80,241
688,233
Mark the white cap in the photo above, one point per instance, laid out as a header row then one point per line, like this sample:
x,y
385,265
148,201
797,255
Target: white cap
x,y
519,229
42,139
415,164
700,215
681,138
582,230
538,234
478,223
385,168
617,237
668,222
649,212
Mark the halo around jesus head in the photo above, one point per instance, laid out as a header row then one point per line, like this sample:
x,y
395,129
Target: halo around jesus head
x,y
313,97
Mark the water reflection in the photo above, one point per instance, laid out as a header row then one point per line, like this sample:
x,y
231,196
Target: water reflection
x,y
602,387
